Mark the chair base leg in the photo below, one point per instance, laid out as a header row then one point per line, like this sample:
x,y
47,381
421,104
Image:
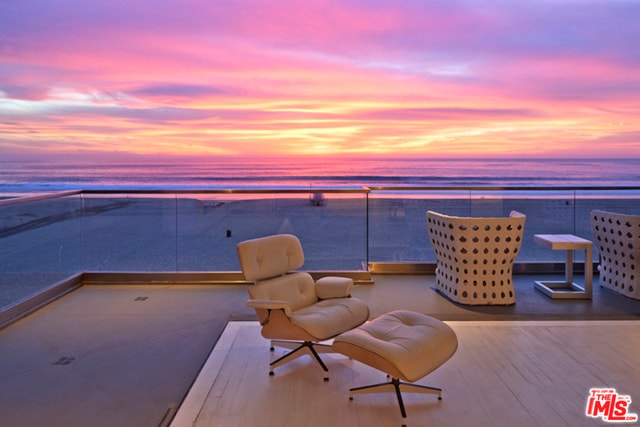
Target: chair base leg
x,y
397,386
300,349
292,345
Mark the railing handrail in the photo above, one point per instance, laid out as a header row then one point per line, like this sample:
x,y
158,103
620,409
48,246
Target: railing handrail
x,y
39,197
311,190
359,190
507,188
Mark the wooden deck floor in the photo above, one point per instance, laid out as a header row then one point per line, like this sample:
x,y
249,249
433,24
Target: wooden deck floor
x,y
506,373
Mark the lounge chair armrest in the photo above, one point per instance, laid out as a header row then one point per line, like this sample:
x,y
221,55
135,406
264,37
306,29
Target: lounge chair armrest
x,y
269,304
333,287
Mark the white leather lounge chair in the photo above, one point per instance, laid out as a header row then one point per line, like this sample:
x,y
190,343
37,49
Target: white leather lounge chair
x,y
294,311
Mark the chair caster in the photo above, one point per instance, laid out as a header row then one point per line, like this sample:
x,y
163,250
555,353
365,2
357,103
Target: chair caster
x,y
271,373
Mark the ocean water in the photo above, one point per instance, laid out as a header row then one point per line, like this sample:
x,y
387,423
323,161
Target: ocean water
x,y
236,173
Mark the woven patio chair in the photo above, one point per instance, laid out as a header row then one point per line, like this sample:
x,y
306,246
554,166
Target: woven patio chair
x,y
475,256
617,237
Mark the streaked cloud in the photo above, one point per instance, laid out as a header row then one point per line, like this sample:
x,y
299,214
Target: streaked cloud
x,y
435,78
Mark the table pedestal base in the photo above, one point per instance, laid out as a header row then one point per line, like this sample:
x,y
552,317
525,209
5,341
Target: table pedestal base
x,y
562,290
567,289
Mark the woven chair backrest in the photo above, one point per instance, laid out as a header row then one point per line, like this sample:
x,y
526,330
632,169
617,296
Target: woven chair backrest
x,y
475,256
617,237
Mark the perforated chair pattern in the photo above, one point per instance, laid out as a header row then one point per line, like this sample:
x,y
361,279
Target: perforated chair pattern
x,y
475,256
617,237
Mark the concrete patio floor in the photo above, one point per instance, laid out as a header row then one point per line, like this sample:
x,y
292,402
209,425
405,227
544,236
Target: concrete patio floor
x,y
126,355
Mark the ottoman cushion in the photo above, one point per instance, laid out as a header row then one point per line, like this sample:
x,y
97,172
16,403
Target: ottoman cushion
x,y
404,344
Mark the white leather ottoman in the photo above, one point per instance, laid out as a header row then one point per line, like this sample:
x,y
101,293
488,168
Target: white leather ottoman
x,y
405,345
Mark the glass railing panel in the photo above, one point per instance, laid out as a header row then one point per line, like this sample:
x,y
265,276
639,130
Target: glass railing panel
x,y
398,231
398,225
548,211
209,225
333,232
129,232
44,241
40,244
331,227
621,200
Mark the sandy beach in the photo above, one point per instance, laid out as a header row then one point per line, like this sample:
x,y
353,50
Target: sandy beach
x,y
46,241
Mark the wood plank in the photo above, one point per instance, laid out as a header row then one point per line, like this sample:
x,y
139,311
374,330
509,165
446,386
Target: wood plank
x,y
503,374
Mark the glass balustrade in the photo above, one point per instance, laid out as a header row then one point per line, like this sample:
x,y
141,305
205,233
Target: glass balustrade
x,y
40,244
47,239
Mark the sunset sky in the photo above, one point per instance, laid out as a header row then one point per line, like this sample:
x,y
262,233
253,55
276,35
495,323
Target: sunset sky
x,y
444,78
